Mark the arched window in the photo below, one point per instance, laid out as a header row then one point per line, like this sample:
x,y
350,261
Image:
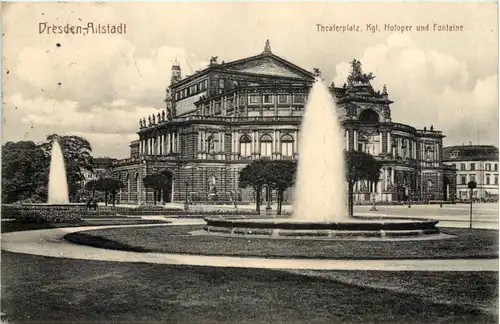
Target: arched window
x,y
245,146
287,145
266,146
137,182
369,116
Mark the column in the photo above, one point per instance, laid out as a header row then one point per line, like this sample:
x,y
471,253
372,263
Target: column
x,y
161,144
386,179
380,149
278,142
223,142
232,145
392,175
389,143
165,144
276,103
253,143
246,104
355,140
223,106
177,142
261,100
199,140
170,146
346,139
291,102
257,142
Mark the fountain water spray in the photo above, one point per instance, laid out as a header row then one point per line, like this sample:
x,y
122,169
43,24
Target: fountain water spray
x,y
320,184
58,183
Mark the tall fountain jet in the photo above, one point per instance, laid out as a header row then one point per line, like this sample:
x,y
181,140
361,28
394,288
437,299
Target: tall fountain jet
x,y
58,183
320,184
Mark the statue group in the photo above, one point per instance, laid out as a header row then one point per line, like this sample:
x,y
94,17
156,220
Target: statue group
x,y
357,75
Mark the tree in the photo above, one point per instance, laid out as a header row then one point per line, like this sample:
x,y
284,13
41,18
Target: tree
x,y
77,158
108,186
25,172
92,185
280,176
359,166
254,175
156,181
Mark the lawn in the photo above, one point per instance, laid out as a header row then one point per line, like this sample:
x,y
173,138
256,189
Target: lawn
x,y
39,289
466,244
13,226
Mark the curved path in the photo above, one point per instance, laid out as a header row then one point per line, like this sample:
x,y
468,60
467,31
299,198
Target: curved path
x,y
50,242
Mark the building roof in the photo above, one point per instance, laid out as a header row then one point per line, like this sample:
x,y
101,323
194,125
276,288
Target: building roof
x,y
265,63
470,153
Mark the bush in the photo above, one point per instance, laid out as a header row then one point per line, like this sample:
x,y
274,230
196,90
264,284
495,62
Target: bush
x,y
149,208
47,215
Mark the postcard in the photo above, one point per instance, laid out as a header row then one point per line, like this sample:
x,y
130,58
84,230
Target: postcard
x,y
249,162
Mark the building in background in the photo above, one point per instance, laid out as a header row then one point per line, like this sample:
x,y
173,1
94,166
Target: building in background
x,y
102,166
477,163
223,117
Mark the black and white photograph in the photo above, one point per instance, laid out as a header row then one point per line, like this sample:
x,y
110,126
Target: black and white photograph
x,y
249,162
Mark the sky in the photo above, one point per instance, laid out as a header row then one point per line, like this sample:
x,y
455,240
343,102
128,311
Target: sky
x,y
98,86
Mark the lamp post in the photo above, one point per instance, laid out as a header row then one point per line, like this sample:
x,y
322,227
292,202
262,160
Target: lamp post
x,y
472,185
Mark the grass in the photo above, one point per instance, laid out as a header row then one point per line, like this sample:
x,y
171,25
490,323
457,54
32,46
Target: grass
x,y
39,289
13,226
467,244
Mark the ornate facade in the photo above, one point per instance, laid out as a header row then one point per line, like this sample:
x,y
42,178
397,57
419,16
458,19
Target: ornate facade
x,y
221,118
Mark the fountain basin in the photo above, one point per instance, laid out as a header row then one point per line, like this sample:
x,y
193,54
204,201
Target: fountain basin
x,y
351,228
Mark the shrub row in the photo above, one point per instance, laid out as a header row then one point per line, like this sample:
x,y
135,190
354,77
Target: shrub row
x,y
48,215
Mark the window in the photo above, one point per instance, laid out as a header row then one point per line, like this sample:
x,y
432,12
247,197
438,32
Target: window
x,y
487,179
488,167
472,177
298,98
496,180
496,167
268,98
473,166
266,145
283,99
463,180
287,145
462,166
254,99
245,146
221,84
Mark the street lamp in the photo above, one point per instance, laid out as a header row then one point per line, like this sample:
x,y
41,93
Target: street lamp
x,y
472,185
